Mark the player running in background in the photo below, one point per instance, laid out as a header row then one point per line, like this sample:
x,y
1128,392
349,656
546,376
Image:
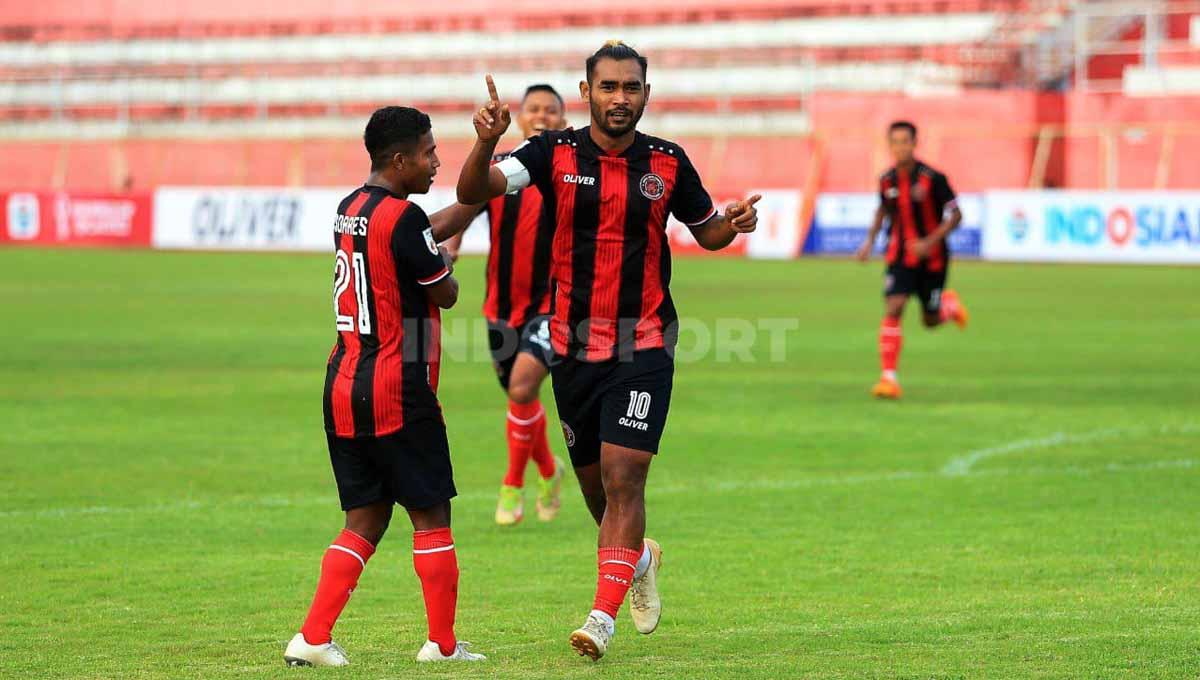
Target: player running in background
x,y
921,211
614,326
516,307
383,422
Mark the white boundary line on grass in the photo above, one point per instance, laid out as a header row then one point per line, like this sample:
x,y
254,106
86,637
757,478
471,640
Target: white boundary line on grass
x,y
962,465
267,502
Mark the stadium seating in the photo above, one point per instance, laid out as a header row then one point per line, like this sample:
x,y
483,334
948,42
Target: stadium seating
x,y
224,77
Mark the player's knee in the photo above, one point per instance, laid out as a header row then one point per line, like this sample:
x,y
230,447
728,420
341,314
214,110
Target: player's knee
x,y
371,530
371,522
932,320
522,391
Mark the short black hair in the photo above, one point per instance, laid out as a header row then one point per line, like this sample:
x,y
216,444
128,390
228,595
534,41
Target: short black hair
x,y
393,129
543,87
615,49
903,125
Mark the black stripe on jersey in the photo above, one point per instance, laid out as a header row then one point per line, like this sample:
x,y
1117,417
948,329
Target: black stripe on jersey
x,y
417,397
331,373
633,269
363,389
335,361
666,309
583,255
504,259
343,208
539,283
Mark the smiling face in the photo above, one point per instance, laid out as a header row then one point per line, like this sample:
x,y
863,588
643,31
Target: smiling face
x,y
418,166
616,95
540,111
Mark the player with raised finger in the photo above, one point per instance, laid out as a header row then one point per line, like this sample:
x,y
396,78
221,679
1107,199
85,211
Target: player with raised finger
x,y
516,305
613,325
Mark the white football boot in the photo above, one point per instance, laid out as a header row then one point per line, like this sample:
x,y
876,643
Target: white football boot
x,y
431,652
300,653
592,639
645,606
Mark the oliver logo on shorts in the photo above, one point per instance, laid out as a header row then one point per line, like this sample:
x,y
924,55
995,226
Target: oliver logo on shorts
x,y
568,434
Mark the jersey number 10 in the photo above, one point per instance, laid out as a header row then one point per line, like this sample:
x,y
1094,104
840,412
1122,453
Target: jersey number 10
x,y
342,271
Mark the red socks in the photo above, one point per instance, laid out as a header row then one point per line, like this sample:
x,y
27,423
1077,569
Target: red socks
x,y
527,438
434,561
437,567
616,573
541,450
891,338
340,568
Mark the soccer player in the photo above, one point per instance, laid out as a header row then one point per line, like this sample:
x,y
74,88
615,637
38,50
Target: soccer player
x,y
921,211
516,307
383,422
614,326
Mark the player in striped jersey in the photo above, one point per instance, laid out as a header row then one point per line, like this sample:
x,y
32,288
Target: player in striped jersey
x,y
384,426
614,325
516,307
921,211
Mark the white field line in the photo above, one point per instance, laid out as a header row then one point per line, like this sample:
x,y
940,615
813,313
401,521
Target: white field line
x,y
962,465
330,500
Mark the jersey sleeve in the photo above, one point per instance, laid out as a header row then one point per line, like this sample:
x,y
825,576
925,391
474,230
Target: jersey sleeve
x,y
883,197
690,202
943,195
414,249
536,155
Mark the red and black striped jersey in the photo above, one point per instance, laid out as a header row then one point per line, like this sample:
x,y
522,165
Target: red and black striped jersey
x,y
518,265
383,370
915,203
610,262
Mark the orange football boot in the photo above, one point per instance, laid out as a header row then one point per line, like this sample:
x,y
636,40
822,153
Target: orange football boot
x,y
955,310
886,389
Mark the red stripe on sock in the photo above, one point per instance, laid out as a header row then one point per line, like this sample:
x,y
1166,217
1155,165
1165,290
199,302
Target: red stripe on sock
x,y
522,426
616,567
438,572
891,339
541,453
339,577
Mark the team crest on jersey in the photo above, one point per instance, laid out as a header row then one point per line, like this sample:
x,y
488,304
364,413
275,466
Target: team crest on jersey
x,y
568,434
429,241
652,186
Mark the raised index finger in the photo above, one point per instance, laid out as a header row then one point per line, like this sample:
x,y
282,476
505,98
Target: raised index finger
x,y
753,199
492,88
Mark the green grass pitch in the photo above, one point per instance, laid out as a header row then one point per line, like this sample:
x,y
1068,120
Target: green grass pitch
x,y
1029,510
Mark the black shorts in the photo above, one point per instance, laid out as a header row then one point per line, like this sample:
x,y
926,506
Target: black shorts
x,y
622,402
410,466
925,284
507,342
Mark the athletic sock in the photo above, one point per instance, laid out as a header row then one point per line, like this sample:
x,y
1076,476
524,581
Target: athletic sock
x,y
437,567
616,572
643,562
522,428
891,338
541,449
340,568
